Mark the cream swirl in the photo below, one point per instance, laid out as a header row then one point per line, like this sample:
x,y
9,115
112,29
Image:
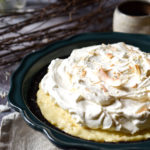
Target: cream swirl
x,y
103,86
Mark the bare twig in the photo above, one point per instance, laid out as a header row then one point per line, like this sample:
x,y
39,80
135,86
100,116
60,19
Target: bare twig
x,y
79,17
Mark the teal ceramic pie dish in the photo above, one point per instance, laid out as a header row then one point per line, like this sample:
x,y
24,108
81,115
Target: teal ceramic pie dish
x,y
24,84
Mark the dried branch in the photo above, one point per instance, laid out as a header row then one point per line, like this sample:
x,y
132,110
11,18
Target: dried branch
x,y
79,17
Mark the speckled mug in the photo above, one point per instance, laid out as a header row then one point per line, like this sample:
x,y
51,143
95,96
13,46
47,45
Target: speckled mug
x,y
132,16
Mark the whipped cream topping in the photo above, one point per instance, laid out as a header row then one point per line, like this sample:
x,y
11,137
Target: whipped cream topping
x,y
103,86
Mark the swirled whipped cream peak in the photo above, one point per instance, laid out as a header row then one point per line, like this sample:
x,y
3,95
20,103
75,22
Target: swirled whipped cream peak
x,y
103,86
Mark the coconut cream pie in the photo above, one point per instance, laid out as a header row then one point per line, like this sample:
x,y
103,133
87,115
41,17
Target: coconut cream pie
x,y
99,93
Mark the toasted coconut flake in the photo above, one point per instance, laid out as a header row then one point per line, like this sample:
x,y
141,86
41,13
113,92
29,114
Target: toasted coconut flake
x,y
104,88
93,53
116,75
70,76
148,61
111,65
148,73
109,55
142,109
83,73
87,89
104,77
80,98
97,82
130,67
137,69
135,86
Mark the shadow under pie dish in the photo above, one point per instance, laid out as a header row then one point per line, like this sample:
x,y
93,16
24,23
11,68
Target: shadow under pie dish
x,y
23,96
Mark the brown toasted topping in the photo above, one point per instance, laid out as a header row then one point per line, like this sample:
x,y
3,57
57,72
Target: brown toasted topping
x,y
148,73
106,78
104,88
83,73
116,75
148,61
81,81
87,89
70,75
142,109
111,65
93,53
137,69
130,67
97,82
103,74
109,55
80,98
135,86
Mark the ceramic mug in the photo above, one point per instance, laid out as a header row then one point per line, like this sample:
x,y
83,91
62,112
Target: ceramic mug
x,y
132,17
